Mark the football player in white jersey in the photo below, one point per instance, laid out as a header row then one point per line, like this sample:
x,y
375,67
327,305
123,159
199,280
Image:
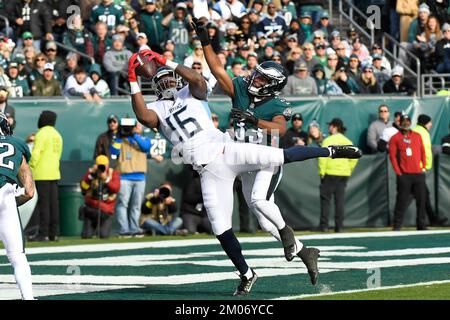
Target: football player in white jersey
x,y
183,115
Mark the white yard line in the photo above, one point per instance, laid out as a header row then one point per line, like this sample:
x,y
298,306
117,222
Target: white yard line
x,y
302,296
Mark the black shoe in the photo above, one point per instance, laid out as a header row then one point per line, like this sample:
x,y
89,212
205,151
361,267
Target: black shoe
x,y
422,228
310,256
396,229
246,285
322,229
288,240
54,238
439,222
39,239
347,152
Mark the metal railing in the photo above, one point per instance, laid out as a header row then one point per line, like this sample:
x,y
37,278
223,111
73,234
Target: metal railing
x,y
6,25
67,48
350,17
432,83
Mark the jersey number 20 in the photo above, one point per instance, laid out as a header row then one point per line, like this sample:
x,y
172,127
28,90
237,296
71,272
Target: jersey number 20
x,y
5,154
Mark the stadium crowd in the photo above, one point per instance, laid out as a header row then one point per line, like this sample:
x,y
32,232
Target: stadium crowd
x,y
99,36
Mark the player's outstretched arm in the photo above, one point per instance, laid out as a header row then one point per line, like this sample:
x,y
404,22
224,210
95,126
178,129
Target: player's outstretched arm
x,y
225,82
147,117
26,179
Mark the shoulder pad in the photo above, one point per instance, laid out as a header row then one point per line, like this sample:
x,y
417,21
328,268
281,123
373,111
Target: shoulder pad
x,y
117,7
287,113
95,7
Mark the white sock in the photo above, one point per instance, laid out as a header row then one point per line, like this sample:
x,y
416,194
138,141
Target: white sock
x,y
22,273
298,245
249,273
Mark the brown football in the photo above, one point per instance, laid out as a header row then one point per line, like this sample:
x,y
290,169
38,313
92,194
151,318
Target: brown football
x,y
147,68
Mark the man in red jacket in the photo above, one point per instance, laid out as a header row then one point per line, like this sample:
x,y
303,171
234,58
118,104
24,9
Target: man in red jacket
x,y
407,154
99,186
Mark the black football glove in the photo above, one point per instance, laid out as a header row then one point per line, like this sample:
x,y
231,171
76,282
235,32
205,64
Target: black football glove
x,y
244,116
200,30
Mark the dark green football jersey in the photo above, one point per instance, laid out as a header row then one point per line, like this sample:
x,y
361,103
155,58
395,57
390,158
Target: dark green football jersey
x,y
265,110
11,152
179,34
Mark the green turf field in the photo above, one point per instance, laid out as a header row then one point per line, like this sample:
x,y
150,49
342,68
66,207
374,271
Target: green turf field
x,y
357,265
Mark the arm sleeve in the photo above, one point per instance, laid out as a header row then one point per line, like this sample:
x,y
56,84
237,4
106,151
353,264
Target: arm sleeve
x,y
423,154
143,143
393,155
85,183
114,183
115,146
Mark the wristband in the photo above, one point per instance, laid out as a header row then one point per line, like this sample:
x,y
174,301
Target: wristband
x,y
134,87
172,65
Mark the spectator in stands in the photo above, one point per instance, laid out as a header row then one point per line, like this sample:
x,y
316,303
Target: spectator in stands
x,y
335,41
101,41
178,27
129,38
294,135
51,51
6,49
318,74
324,24
407,10
229,9
142,41
79,37
353,67
315,135
445,142
332,65
442,53
377,127
169,55
293,56
300,83
47,86
33,16
367,82
60,15
378,50
5,108
102,88
99,186
440,9
19,84
398,84
115,62
334,174
424,125
236,69
315,7
131,149
418,25
305,32
321,55
261,44
105,140
426,43
22,64
211,81
108,12
407,155
197,55
381,73
157,212
341,54
70,66
345,82
151,24
319,37
292,43
246,26
80,85
192,210
134,24
389,132
44,163
360,49
252,62
40,60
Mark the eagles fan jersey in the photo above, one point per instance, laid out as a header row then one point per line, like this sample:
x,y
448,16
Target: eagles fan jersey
x,y
187,123
11,151
179,34
265,110
112,15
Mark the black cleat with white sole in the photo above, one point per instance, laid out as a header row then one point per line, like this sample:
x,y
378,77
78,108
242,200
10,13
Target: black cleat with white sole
x,y
246,284
310,256
288,240
345,152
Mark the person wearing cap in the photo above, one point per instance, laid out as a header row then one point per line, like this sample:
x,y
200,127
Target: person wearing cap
x,y
353,67
408,158
129,38
45,164
99,186
319,37
315,135
104,140
252,62
305,32
151,24
367,81
70,65
5,108
389,132
380,72
407,10
178,27
47,86
442,53
109,12
19,84
320,54
289,11
273,24
334,175
398,84
343,83
377,127
377,50
418,25
101,41
424,125
294,135
308,55
324,24
332,65
115,62
101,86
142,41
300,83
197,55
78,37
80,85
51,51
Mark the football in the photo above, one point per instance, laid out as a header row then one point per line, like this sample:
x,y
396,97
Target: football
x,y
147,68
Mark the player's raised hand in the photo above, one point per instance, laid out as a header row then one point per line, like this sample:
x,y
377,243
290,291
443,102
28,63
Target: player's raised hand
x,y
152,55
243,116
133,63
199,25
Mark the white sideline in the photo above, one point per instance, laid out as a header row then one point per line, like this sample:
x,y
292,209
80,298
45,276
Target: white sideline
x,y
362,290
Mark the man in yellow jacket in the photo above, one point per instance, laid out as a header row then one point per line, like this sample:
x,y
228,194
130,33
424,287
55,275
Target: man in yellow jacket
x,y
424,125
334,175
44,164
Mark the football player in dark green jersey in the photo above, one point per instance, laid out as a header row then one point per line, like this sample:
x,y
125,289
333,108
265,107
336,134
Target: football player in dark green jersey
x,y
14,170
258,109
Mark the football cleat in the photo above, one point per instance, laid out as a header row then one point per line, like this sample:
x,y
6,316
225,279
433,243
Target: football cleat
x,y
310,256
246,285
288,239
347,152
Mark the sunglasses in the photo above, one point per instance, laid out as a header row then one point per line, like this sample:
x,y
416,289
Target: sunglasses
x,y
296,52
292,40
367,71
383,111
51,50
196,68
112,121
40,59
331,59
245,22
340,49
28,39
215,119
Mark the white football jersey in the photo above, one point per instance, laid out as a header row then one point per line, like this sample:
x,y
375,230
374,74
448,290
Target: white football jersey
x,y
187,123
